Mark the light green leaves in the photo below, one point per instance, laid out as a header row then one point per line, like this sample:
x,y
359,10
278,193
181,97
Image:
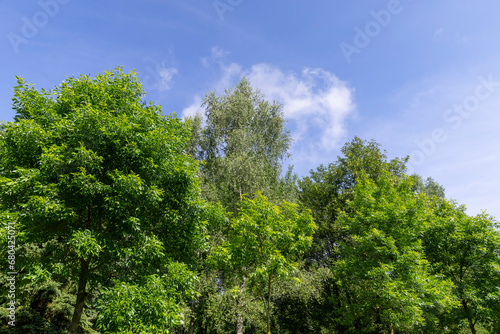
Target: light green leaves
x,y
153,306
382,263
85,244
267,239
264,244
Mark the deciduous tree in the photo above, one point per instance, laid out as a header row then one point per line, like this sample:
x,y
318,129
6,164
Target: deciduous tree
x,y
264,244
93,167
328,188
242,141
466,250
386,282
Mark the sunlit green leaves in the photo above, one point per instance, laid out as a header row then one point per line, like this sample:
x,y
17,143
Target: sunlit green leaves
x,y
92,167
381,263
266,239
264,244
466,250
153,306
85,244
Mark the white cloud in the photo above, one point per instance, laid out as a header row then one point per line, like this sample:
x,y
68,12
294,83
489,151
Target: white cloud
x,y
216,54
166,77
194,108
315,100
229,75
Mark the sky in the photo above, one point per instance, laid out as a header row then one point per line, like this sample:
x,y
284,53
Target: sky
x,y
420,78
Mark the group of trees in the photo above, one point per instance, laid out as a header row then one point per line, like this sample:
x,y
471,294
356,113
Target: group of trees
x,y
130,221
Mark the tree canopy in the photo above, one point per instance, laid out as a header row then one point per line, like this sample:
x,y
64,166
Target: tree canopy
x,y
242,141
103,175
264,243
120,219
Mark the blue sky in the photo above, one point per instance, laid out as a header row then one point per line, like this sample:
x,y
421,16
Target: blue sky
x,y
421,78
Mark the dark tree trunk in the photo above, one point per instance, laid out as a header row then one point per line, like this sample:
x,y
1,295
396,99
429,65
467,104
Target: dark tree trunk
x,y
81,296
472,326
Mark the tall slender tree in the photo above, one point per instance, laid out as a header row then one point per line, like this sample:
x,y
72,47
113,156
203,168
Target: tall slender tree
x,y
242,141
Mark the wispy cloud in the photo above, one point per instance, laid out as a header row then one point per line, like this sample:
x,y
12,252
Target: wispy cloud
x,y
166,74
157,76
194,108
216,55
315,101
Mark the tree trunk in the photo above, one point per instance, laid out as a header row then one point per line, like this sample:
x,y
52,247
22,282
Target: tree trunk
x,y
472,326
81,297
239,324
268,305
191,326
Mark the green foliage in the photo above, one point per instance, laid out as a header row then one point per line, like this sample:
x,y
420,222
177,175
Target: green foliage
x,y
84,244
266,240
264,244
466,250
327,190
300,303
111,234
104,174
43,303
229,303
381,266
152,306
242,142
428,187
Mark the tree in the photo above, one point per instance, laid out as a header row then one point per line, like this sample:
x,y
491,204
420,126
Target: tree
x,y
242,142
466,250
428,187
327,190
103,175
386,281
264,243
300,305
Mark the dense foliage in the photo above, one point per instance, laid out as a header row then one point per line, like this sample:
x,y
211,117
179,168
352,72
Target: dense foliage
x,y
129,221
103,191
